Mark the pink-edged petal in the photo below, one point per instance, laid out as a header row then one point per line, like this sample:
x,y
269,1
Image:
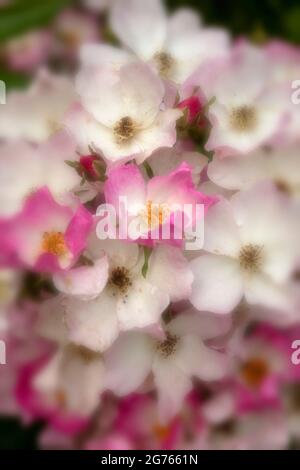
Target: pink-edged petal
x,y
85,282
78,230
24,232
164,160
42,211
218,284
126,182
177,188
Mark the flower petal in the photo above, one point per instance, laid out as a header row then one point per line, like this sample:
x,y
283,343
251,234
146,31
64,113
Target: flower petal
x,y
141,26
128,362
85,282
218,284
142,306
169,270
92,324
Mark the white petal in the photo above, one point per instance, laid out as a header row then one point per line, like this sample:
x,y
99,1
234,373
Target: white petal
x,y
172,386
119,253
183,21
236,172
221,234
141,25
267,219
142,305
103,55
111,95
261,290
194,49
57,175
16,159
204,325
218,284
92,324
128,362
162,133
80,381
83,381
196,359
170,272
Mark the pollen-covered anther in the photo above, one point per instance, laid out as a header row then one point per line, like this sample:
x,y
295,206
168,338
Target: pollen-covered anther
x,y
168,346
120,279
54,243
164,62
254,371
243,118
155,214
250,257
125,129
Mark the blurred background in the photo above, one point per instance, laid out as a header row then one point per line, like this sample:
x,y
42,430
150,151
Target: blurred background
x,y
259,20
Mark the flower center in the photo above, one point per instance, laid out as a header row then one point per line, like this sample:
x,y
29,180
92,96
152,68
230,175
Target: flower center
x,y
53,126
243,118
282,187
254,371
120,279
54,243
164,62
83,353
69,38
60,398
168,346
124,130
161,432
250,257
155,214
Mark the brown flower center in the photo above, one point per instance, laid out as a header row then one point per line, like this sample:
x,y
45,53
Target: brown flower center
x,y
254,371
164,62
168,346
54,243
120,279
124,130
243,118
282,186
250,257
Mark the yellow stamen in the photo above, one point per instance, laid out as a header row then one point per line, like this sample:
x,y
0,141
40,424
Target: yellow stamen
x,y
54,243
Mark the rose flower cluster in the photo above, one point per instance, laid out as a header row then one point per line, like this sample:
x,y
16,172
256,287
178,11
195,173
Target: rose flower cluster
x,y
136,341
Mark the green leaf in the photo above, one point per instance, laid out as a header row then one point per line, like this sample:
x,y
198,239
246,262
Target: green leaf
x,y
23,16
147,254
148,169
13,79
